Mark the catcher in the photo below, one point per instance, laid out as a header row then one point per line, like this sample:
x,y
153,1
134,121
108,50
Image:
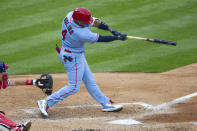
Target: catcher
x,y
45,83
8,125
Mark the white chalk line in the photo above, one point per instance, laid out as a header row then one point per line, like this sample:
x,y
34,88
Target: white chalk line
x,y
157,109
194,123
32,110
176,101
67,119
146,106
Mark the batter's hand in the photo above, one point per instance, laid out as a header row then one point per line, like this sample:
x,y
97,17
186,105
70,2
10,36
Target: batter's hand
x,y
122,37
115,32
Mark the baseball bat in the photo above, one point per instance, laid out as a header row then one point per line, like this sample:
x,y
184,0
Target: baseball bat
x,y
167,42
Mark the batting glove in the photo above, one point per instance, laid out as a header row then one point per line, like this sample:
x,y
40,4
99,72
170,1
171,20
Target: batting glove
x,y
122,37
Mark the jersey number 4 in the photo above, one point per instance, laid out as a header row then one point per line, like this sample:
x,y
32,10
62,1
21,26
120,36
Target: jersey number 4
x,y
64,32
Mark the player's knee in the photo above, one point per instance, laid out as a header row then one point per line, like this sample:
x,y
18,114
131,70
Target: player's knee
x,y
76,90
90,84
74,87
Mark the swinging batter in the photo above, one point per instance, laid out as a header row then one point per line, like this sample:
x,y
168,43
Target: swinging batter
x,y
75,33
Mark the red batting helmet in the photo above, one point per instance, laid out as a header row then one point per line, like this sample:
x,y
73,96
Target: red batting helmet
x,y
82,14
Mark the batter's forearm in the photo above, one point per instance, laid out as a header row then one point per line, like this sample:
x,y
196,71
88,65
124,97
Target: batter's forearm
x,y
107,38
111,38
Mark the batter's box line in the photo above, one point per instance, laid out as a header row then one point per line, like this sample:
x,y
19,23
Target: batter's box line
x,y
32,110
68,119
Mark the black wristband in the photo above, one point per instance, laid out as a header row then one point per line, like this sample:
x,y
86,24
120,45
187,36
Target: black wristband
x,y
103,26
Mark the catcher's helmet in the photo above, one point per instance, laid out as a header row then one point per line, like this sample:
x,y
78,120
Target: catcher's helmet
x,y
82,14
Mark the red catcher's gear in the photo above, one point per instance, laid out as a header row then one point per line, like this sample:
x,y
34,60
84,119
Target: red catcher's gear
x,y
5,82
82,14
6,66
6,123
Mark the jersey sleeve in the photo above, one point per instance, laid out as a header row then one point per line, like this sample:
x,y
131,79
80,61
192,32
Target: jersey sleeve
x,y
90,37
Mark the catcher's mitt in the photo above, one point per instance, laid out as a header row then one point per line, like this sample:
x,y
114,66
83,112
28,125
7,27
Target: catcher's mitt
x,y
45,82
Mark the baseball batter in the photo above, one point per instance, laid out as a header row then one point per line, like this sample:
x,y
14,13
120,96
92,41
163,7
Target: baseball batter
x,y
75,33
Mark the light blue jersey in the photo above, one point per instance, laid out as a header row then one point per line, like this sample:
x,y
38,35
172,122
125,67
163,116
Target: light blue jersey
x,y
75,36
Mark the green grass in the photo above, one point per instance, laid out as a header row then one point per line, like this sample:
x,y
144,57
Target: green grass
x,y
29,31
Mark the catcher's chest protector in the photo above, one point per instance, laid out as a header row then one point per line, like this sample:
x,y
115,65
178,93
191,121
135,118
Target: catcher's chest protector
x,y
6,124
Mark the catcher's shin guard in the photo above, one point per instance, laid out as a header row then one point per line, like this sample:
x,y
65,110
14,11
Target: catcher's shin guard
x,y
24,127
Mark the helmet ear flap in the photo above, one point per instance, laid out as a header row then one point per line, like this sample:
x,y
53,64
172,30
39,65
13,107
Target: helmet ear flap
x,y
82,14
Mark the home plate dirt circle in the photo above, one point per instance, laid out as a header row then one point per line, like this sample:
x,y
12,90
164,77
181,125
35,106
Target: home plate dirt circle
x,y
152,101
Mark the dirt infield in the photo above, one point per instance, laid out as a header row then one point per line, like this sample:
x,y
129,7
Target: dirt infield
x,y
152,101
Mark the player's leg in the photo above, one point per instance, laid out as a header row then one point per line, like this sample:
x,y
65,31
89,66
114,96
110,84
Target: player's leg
x,y
75,70
92,86
96,93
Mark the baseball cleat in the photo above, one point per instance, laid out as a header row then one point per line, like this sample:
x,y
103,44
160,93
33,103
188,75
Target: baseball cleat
x,y
110,107
24,127
42,105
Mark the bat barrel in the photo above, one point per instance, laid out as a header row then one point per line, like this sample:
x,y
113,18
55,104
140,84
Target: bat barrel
x,y
165,42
